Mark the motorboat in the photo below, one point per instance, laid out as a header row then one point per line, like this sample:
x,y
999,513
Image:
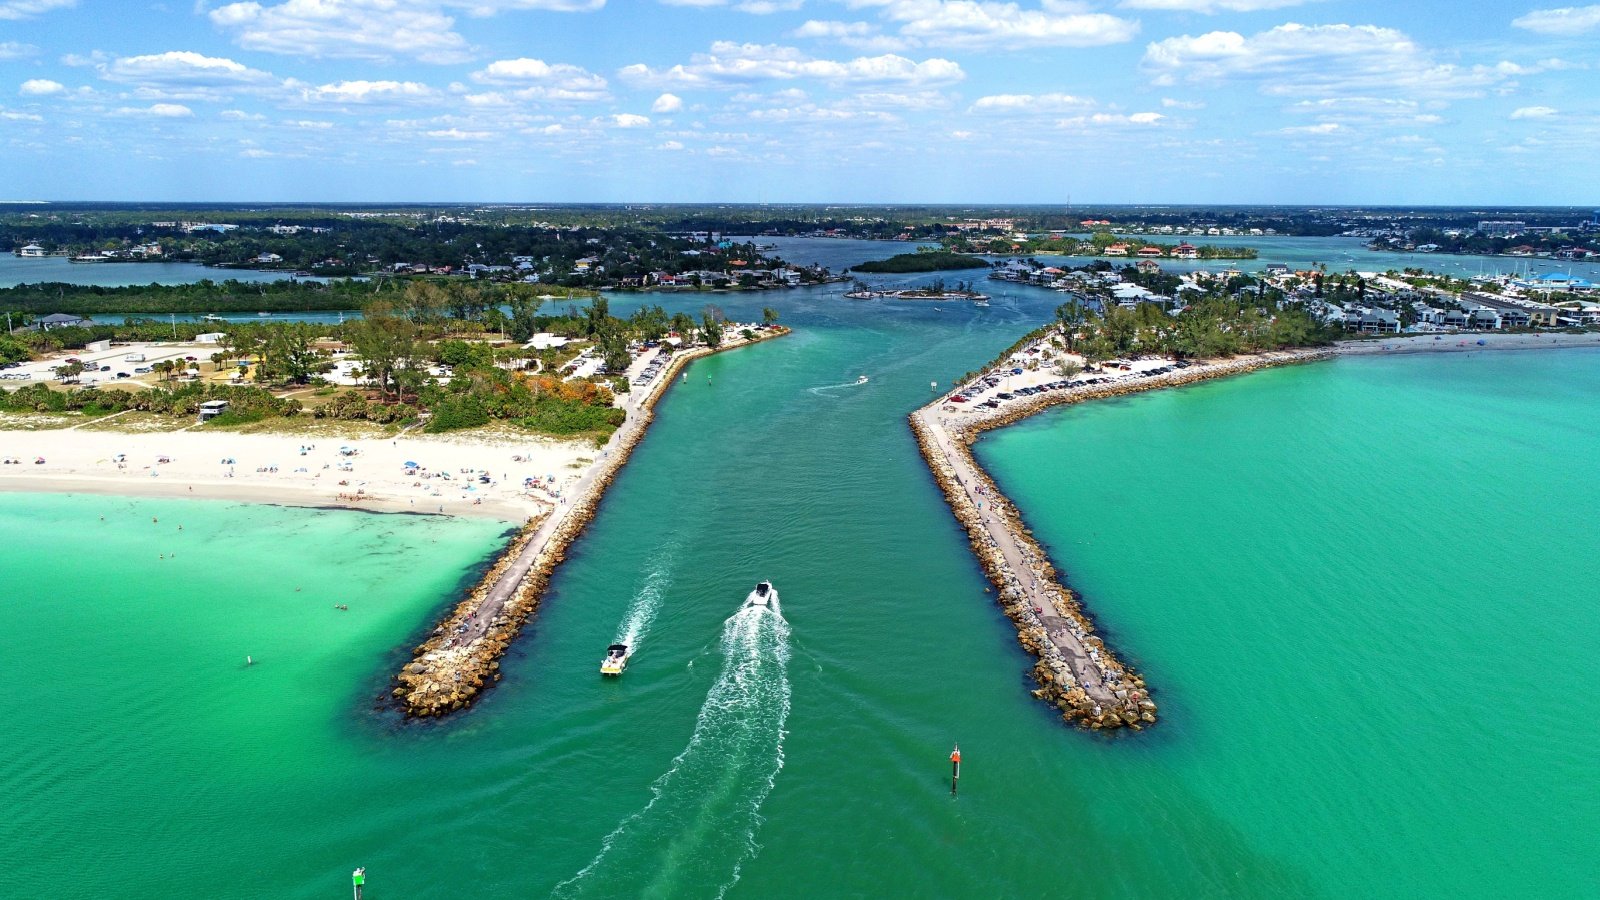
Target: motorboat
x,y
861,380
981,301
616,659
764,595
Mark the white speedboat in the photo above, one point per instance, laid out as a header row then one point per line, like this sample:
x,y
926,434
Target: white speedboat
x,y
861,380
616,659
764,595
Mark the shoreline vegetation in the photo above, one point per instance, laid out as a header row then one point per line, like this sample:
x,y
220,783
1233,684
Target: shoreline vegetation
x,y
461,657
924,260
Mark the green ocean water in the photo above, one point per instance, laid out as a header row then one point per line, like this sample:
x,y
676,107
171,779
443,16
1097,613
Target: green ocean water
x,y
1358,589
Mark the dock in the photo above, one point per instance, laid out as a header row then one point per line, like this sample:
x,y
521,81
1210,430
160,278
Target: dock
x,y
1076,672
461,658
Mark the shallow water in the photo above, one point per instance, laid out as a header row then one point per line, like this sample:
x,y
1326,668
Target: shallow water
x,y
1358,589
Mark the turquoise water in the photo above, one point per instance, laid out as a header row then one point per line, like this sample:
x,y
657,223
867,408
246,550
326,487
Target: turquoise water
x,y
1358,589
1362,590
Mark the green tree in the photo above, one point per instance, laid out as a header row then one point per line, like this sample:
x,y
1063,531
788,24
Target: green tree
x,y
524,315
769,316
711,319
388,346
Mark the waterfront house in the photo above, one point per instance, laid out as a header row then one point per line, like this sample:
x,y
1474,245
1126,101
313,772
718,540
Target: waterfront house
x,y
31,250
1149,251
1185,250
1117,250
59,320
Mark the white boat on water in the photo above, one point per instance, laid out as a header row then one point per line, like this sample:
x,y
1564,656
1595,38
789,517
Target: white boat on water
x,y
616,659
981,301
764,595
861,380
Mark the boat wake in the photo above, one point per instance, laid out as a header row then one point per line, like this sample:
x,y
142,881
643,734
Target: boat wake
x,y
829,388
699,827
642,612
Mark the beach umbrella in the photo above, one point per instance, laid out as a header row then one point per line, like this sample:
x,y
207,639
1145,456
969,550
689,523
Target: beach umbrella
x,y
410,464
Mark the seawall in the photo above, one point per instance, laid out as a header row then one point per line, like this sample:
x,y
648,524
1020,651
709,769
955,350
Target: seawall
x,y
1076,672
461,658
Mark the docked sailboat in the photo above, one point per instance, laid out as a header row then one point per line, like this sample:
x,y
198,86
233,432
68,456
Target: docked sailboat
x,y
764,595
616,659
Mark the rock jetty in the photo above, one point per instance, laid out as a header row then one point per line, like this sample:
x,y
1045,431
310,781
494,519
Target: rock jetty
x,y
461,658
1074,669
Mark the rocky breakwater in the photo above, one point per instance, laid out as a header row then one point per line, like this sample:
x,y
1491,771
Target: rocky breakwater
x,y
461,658
1076,672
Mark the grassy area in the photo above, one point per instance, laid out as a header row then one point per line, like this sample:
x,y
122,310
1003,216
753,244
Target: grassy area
x,y
308,426
137,422
36,421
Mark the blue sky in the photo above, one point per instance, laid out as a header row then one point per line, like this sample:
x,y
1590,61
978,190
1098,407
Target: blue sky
x,y
1114,101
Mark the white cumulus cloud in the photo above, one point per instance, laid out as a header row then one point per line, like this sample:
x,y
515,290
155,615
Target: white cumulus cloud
x,y
17,50
157,111
754,7
1562,22
369,92
1209,7
1319,128
1030,102
456,134
1319,59
355,29
667,103
183,75
975,25
629,120
41,87
536,79
1533,112
27,9
732,65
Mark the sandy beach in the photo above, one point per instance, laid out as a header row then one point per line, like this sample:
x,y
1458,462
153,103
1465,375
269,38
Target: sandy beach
x,y
301,471
1465,343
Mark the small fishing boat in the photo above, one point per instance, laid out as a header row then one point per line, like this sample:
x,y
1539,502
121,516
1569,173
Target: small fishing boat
x,y
616,659
764,595
861,380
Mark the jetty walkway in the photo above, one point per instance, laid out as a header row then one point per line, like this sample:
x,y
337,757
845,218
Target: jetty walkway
x,y
462,656
1075,670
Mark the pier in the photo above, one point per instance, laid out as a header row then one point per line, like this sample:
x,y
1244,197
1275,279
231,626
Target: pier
x,y
1076,671
461,657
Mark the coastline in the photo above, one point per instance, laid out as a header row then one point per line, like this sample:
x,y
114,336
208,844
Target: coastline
x,y
1466,343
296,470
1076,671
461,657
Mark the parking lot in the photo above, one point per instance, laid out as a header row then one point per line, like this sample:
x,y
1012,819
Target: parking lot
x,y
1016,383
123,363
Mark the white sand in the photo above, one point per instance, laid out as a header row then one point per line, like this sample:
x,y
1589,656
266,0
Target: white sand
x,y
1462,343
82,461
